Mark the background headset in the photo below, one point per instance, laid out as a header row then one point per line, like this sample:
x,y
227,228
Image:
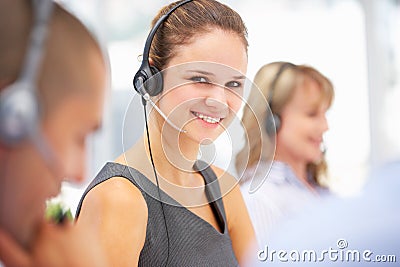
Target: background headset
x,y
19,106
273,121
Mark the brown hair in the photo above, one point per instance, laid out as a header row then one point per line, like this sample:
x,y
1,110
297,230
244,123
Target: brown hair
x,y
191,19
258,145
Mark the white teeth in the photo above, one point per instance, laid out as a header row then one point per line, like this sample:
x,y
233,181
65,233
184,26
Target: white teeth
x,y
207,118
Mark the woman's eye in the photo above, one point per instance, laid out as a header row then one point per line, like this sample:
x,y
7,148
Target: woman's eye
x,y
199,79
233,84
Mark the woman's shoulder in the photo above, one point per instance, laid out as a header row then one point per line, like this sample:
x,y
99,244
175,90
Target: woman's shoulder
x,y
218,171
229,185
117,191
227,182
120,210
222,173
114,193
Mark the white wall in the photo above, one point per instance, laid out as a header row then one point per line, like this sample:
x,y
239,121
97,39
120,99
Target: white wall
x,y
354,43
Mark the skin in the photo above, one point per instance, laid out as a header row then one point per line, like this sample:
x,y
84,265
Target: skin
x,y
27,180
116,203
28,188
303,125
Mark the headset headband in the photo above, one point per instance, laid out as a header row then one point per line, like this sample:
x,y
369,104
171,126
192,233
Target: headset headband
x,y
34,56
278,74
148,80
160,21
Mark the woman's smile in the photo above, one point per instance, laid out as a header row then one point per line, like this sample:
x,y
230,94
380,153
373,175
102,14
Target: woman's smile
x,y
209,120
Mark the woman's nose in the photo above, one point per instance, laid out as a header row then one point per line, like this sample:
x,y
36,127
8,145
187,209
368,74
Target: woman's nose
x,y
324,124
77,169
216,98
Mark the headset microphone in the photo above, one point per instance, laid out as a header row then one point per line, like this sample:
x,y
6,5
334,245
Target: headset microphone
x,y
322,147
146,98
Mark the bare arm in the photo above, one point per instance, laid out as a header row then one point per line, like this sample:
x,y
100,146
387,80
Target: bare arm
x,y
118,211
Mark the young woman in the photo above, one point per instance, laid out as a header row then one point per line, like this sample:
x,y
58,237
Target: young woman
x,y
287,178
157,205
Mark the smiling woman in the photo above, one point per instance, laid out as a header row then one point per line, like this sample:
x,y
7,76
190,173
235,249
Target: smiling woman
x,y
157,204
298,97
208,93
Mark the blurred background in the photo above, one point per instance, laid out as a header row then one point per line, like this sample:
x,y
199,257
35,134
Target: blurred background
x,y
355,43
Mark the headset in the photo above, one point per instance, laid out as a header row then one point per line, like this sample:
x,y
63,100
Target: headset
x,y
273,121
148,81
19,105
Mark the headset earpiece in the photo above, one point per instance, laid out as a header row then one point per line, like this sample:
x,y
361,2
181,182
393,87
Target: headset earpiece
x,y
19,107
151,78
273,121
156,82
19,114
272,124
154,85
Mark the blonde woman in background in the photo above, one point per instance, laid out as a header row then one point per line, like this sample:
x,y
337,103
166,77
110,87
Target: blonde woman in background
x,y
291,176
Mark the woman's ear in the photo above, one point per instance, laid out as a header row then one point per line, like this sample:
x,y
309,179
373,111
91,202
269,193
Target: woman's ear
x,y
151,61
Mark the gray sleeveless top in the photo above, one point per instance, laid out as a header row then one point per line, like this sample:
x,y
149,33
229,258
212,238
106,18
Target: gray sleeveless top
x,y
192,240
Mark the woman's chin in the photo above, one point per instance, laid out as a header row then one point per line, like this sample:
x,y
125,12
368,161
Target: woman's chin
x,y
317,158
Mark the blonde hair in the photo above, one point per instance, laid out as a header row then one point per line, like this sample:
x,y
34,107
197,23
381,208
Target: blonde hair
x,y
258,145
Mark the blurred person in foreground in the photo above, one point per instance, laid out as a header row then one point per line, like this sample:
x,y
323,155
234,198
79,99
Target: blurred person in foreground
x,y
53,77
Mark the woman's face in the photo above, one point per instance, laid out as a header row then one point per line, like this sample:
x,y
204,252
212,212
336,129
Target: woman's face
x,y
29,179
303,124
203,84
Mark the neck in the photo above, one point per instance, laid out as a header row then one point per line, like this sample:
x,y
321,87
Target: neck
x,y
173,147
173,154
298,167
